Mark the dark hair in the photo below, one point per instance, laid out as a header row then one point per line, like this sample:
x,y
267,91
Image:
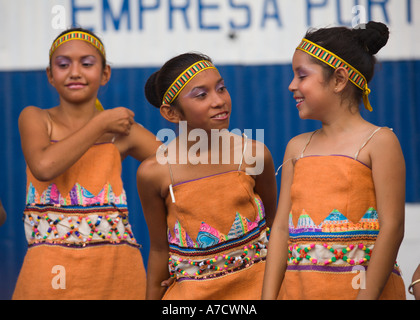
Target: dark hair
x,y
159,82
86,31
357,46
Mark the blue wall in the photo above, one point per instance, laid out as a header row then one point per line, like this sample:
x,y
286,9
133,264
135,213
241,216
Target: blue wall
x,y
260,101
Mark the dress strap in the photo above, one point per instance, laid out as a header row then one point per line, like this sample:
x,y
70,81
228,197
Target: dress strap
x,y
301,154
243,153
164,148
307,143
366,142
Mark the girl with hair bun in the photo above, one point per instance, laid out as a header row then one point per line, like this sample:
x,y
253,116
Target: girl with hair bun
x,y
80,242
340,217
208,217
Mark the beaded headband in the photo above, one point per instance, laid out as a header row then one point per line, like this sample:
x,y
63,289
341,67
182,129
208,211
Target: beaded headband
x,y
78,35
355,76
176,87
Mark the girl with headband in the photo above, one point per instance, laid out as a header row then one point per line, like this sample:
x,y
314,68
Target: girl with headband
x,y
81,245
340,218
208,217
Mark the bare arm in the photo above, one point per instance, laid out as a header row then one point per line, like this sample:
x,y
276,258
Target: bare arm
x,y
154,210
139,144
388,171
47,161
277,250
266,187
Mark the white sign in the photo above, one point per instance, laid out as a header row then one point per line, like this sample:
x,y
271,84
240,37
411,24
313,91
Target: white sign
x,y
139,33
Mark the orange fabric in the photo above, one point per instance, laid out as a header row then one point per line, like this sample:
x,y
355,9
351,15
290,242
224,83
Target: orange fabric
x,y
92,271
332,286
322,184
207,198
242,285
99,165
215,200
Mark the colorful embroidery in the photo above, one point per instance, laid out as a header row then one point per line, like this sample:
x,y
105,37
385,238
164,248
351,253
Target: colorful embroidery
x,y
226,261
329,254
209,236
336,226
215,254
353,242
77,226
78,195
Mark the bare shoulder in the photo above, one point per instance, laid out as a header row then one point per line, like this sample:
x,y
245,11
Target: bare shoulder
x,y
151,168
296,145
32,111
34,121
385,136
384,142
153,171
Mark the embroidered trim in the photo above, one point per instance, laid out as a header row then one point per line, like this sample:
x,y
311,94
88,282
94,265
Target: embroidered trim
x,y
77,225
78,195
335,227
228,262
221,247
209,236
326,254
332,269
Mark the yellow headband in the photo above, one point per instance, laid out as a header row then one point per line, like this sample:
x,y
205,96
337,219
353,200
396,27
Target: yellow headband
x,y
176,87
78,35
335,62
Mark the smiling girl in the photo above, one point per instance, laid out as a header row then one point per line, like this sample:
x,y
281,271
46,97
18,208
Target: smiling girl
x,y
76,217
340,218
208,218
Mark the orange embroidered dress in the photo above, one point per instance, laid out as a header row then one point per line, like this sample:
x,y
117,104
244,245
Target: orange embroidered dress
x,y
333,226
80,241
217,238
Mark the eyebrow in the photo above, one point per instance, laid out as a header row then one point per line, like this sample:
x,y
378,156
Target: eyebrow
x,y
68,57
298,68
203,86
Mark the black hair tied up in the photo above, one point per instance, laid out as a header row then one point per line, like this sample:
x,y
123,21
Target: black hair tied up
x,y
357,46
373,36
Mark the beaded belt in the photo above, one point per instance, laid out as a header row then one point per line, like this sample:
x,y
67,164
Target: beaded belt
x,y
243,256
77,226
325,254
331,258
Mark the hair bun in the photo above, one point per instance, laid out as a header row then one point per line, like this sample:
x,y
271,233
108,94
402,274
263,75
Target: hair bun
x,y
150,90
373,36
